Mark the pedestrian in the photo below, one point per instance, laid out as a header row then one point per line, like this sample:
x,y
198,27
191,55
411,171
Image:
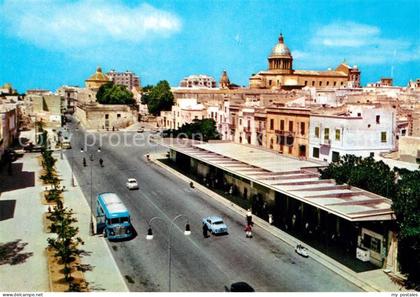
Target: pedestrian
x,y
205,230
249,217
248,231
84,162
101,162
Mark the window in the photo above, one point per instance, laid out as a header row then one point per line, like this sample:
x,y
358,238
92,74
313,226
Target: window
x,y
271,124
306,82
290,126
378,119
118,115
313,83
383,137
282,125
320,83
335,83
337,134
271,143
327,133
328,83
240,121
302,128
270,82
315,152
359,114
317,132
249,124
106,116
335,156
403,132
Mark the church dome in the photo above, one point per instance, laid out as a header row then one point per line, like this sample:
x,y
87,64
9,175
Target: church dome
x,y
280,49
98,76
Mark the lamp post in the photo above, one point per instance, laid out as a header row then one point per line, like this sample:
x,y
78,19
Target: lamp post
x,y
187,232
91,158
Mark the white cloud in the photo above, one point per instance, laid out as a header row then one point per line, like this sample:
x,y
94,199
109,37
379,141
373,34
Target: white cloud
x,y
357,43
83,24
347,34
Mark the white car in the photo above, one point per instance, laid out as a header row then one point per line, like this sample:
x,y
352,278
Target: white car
x,y
132,184
299,249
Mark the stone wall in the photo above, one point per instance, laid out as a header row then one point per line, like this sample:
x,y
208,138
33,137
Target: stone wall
x,y
409,148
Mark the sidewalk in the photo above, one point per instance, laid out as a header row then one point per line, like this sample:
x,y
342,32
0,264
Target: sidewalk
x,y
371,281
21,229
24,268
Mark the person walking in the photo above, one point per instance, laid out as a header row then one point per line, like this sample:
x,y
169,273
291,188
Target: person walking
x,y
248,231
205,231
101,162
249,217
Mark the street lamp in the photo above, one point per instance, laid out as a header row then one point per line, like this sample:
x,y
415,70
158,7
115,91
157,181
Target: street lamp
x,y
91,187
187,232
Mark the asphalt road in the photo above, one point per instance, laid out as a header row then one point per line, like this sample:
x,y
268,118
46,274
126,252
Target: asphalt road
x,y
198,264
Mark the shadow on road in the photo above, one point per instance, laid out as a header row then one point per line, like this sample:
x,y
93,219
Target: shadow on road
x,y
11,253
7,209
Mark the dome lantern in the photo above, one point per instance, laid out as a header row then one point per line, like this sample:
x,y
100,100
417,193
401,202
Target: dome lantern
x,y
280,58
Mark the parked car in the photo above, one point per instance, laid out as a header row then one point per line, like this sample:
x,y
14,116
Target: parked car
x,y
299,249
132,184
239,287
215,225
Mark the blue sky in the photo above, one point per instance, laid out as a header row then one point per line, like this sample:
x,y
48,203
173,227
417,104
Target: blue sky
x,y
49,43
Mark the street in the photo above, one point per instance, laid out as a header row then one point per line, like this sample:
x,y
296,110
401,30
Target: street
x,y
198,264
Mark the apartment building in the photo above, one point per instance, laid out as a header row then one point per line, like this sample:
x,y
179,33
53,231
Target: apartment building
x,y
362,130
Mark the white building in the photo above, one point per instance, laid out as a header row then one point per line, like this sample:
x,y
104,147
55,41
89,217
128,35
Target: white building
x,y
185,111
198,81
364,130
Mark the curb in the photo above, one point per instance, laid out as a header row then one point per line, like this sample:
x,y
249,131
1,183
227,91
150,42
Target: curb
x,y
319,257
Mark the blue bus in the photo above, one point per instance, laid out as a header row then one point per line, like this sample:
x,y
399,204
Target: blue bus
x,y
113,216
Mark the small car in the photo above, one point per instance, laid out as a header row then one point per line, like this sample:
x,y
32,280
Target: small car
x,y
215,225
140,130
299,249
240,287
132,184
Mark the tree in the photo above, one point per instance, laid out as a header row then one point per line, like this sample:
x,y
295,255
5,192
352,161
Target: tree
x,y
145,92
111,93
66,243
406,205
199,129
158,98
